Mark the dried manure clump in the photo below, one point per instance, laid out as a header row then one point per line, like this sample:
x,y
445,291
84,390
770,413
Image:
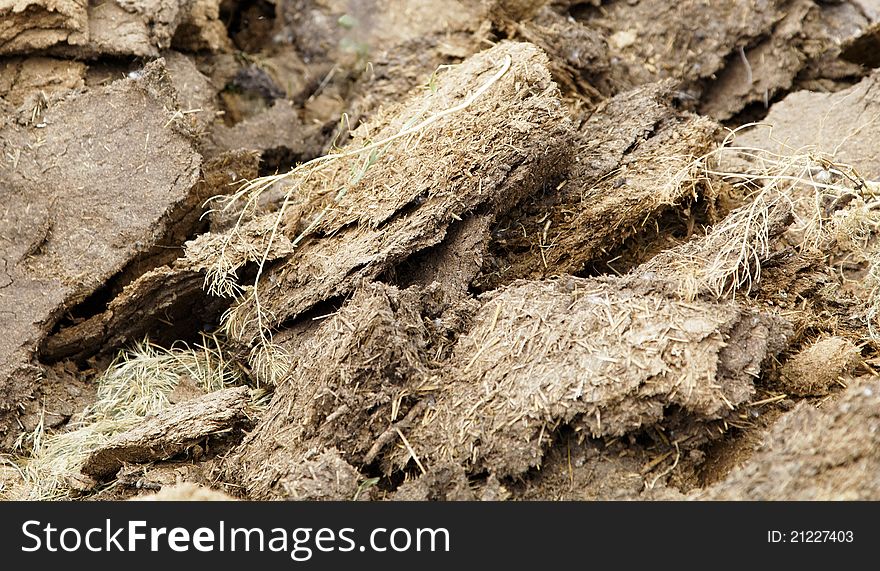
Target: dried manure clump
x,y
829,453
844,122
438,251
634,160
588,354
170,432
820,367
116,28
609,361
492,131
25,80
76,214
354,372
151,404
38,24
591,470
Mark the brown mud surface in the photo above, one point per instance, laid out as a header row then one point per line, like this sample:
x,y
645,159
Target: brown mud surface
x,y
424,250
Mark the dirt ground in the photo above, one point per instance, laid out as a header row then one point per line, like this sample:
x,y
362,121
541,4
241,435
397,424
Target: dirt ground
x,y
425,250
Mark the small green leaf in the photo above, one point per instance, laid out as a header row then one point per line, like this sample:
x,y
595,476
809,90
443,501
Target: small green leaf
x,y
348,21
365,485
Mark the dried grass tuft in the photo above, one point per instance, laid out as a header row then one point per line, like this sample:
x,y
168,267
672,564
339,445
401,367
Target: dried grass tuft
x,y
11,476
136,386
807,184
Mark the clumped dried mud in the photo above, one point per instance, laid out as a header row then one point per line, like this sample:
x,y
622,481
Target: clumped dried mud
x,y
512,263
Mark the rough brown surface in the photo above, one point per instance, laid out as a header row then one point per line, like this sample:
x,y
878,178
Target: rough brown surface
x,y
808,48
442,483
844,123
373,25
51,260
734,55
201,29
507,143
279,129
503,258
325,476
196,96
26,80
680,40
579,59
790,466
450,483
756,74
611,191
587,354
165,294
819,368
37,24
134,481
588,471
377,346
705,368
116,27
171,432
383,50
